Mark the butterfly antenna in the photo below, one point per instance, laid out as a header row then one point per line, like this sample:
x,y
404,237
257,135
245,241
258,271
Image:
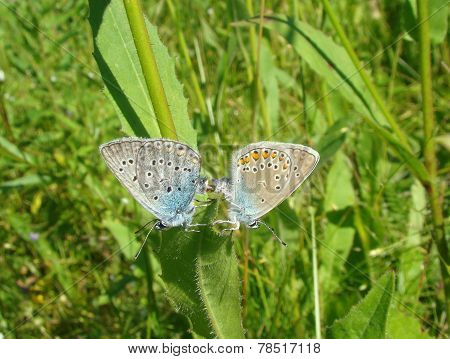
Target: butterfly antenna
x,y
145,240
273,232
145,226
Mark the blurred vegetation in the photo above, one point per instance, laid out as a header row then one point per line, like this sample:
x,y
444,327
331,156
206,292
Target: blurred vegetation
x,y
65,219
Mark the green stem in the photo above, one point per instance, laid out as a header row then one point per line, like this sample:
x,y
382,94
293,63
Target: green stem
x,y
187,58
366,79
326,102
256,52
315,274
429,149
150,68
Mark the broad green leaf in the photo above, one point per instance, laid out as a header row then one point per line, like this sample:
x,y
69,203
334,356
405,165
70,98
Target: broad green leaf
x,y
202,279
328,60
117,59
339,189
404,325
367,319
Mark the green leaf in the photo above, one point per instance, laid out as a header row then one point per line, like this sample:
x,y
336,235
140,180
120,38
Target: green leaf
x,y
15,151
202,279
116,57
367,319
412,259
404,325
269,80
335,249
332,140
339,189
125,238
438,14
27,180
328,60
332,62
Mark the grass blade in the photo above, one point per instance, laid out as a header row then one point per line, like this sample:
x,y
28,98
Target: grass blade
x,y
340,73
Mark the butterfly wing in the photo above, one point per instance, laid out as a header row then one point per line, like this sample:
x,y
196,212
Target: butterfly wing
x,y
266,173
121,156
167,172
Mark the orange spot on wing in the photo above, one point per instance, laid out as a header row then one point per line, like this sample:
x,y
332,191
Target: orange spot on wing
x,y
265,154
274,154
255,155
285,166
241,161
247,159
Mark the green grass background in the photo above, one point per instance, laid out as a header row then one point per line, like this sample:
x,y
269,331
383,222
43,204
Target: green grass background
x,y
64,216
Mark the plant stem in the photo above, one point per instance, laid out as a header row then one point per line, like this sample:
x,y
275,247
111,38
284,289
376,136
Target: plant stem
x,y
187,58
315,273
429,149
370,86
150,68
256,53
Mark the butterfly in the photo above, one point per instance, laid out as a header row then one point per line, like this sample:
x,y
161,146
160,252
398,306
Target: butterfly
x,y
162,175
263,175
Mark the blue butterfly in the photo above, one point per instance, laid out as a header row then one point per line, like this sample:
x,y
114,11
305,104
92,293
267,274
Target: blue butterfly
x,y
263,175
162,175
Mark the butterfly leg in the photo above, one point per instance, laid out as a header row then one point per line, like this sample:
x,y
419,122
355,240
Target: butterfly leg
x,y
203,203
235,226
188,226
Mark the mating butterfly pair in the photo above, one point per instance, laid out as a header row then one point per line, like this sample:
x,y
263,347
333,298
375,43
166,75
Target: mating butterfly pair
x,y
164,176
